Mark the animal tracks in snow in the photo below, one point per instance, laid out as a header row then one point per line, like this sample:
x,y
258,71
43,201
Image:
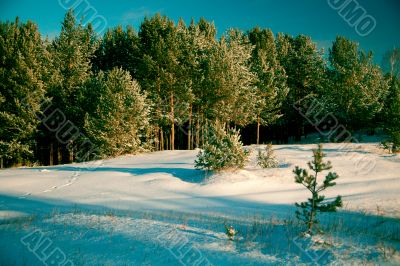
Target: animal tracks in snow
x,y
71,180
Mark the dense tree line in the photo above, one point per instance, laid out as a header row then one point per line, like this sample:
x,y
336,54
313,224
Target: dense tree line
x,y
161,87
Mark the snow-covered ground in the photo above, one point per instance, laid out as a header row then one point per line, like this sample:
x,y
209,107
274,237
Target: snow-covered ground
x,y
156,209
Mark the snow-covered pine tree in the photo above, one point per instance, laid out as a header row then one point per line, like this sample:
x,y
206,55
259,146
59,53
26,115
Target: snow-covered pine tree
x,y
270,81
118,113
22,73
69,70
317,203
202,39
119,47
160,71
357,88
391,114
223,150
305,69
239,95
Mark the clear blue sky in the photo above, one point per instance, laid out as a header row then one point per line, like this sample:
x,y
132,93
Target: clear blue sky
x,y
311,17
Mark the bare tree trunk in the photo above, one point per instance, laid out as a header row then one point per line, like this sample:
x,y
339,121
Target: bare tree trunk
x,y
198,130
59,154
258,129
162,140
202,130
205,132
190,127
170,142
160,137
167,140
1,162
157,140
311,221
71,152
172,122
313,209
192,139
51,154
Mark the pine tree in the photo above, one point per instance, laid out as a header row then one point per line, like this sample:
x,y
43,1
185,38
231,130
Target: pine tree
x,y
70,68
306,74
117,113
202,37
223,150
22,87
228,94
271,77
160,72
391,116
242,95
188,78
391,110
358,88
317,203
118,48
71,55
183,105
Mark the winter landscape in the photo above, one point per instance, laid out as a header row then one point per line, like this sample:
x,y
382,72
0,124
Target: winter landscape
x,y
130,135
150,209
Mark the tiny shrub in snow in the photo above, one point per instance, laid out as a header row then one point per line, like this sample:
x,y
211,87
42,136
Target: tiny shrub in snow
x,y
230,232
317,203
222,150
392,144
266,159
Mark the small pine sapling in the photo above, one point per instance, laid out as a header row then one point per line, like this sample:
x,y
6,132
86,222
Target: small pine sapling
x,y
223,150
266,159
308,210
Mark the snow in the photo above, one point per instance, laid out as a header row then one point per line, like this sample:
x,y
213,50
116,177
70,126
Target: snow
x,y
119,211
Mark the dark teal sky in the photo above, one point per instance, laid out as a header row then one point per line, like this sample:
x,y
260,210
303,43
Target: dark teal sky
x,y
311,17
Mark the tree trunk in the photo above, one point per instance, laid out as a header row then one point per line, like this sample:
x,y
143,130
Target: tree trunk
x,y
167,140
162,140
313,207
206,133
157,140
189,133
312,215
51,154
202,131
160,133
59,154
71,152
258,129
170,142
310,223
198,130
192,139
172,123
1,163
